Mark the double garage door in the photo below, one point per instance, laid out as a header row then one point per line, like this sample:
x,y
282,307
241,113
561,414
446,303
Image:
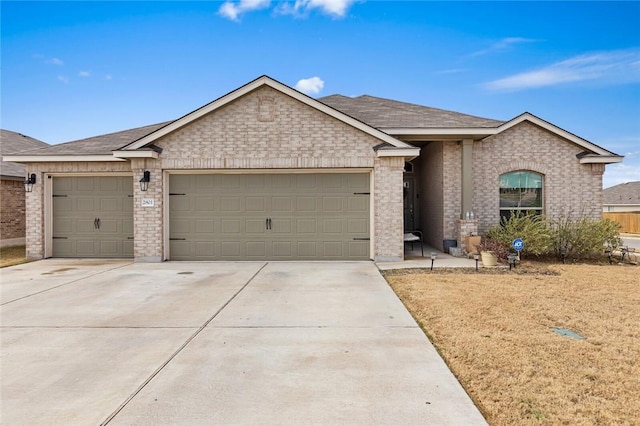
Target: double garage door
x,y
221,216
269,216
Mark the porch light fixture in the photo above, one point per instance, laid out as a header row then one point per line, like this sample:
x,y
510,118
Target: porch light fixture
x,y
144,182
29,182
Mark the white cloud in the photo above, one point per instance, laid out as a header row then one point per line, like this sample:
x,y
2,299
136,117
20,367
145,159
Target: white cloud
x,y
612,67
311,85
232,10
503,44
84,74
627,171
335,8
55,61
63,79
451,71
108,77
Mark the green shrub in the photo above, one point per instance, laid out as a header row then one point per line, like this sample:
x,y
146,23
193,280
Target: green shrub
x,y
582,236
532,228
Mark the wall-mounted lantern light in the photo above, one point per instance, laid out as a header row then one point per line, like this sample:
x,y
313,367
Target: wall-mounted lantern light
x,y
29,182
144,182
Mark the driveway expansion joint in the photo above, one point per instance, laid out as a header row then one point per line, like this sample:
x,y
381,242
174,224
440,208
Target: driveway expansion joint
x,y
64,284
180,349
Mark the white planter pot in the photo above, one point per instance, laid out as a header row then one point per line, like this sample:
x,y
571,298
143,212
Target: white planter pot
x,y
489,258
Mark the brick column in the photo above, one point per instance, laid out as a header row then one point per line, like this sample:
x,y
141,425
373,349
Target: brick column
x,y
147,219
388,216
465,228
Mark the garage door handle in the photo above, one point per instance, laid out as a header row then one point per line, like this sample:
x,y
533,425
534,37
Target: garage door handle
x,y
267,223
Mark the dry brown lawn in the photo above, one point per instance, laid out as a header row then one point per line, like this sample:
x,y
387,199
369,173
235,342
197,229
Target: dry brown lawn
x,y
494,330
12,256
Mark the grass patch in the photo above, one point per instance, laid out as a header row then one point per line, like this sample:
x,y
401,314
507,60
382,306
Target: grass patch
x,y
494,330
12,256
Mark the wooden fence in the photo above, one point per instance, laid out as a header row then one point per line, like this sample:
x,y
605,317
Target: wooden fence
x,y
629,222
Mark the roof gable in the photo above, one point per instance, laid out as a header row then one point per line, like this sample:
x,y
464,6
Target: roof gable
x,y
247,88
594,153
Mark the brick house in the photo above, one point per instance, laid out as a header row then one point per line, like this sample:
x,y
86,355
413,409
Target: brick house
x,y
12,197
266,172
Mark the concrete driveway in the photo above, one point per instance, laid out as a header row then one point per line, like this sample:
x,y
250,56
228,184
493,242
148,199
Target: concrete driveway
x,y
97,342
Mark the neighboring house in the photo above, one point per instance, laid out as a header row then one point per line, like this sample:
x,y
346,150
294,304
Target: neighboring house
x,y
624,197
12,197
268,173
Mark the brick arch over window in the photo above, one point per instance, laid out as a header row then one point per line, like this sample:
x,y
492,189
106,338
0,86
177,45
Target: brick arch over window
x,y
522,165
521,191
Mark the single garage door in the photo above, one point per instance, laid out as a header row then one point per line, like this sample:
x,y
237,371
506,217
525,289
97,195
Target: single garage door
x,y
93,216
269,217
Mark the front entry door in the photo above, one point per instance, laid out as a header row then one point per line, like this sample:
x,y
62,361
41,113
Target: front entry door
x,y
409,193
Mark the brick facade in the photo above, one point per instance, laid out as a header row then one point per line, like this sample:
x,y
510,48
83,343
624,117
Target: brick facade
x,y
12,209
568,185
264,130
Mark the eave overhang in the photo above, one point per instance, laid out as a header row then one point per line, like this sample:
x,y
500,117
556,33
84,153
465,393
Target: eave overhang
x,y
136,154
600,159
58,158
424,134
409,153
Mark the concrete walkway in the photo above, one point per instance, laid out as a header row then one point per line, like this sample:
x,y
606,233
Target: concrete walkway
x,y
97,342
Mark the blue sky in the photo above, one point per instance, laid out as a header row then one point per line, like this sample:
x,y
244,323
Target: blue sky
x,y
74,69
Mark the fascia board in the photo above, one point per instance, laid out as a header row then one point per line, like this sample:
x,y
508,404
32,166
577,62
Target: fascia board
x,y
135,154
554,129
58,158
607,159
478,132
398,152
262,81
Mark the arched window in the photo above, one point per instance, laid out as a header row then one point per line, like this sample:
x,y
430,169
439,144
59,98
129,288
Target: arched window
x,y
520,191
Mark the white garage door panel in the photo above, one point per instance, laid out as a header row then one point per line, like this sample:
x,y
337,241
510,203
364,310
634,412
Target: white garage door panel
x,y
261,217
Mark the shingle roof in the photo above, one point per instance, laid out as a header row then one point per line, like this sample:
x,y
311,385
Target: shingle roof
x,y
387,113
11,142
624,193
98,145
